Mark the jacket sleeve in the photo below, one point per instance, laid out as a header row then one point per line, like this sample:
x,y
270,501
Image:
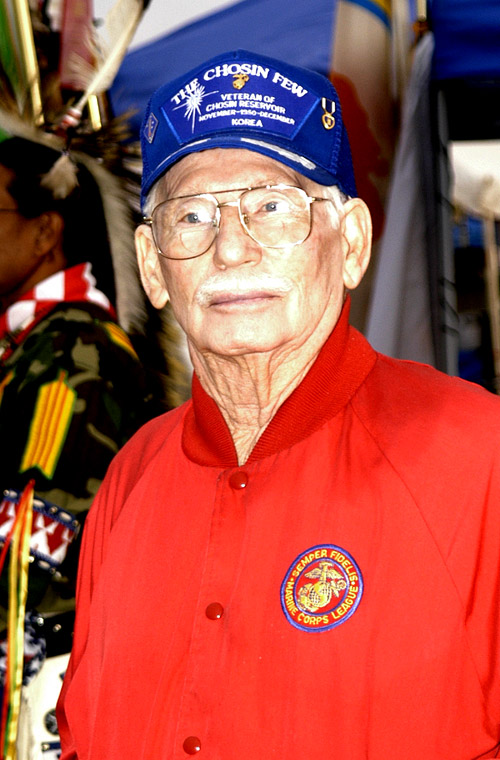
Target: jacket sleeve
x,y
84,594
122,478
97,528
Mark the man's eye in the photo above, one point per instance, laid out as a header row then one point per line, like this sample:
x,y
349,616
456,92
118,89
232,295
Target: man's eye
x,y
271,206
191,218
276,206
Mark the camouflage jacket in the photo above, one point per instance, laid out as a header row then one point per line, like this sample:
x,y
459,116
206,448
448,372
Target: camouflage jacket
x,y
71,394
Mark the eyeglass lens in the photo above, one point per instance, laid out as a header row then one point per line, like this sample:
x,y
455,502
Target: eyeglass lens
x,y
274,217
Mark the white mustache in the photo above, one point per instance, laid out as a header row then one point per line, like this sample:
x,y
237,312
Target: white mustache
x,y
239,285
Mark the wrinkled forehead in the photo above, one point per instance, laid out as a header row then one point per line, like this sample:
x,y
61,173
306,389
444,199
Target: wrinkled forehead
x,y
218,169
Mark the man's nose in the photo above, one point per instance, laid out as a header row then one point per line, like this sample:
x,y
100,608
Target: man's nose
x,y
233,246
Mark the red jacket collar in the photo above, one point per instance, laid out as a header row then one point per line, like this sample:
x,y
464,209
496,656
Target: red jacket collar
x,y
341,366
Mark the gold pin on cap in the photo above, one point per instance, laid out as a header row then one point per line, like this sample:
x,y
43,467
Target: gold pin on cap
x,y
328,118
240,80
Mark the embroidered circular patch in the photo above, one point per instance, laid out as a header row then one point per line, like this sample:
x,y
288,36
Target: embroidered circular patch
x,y
322,588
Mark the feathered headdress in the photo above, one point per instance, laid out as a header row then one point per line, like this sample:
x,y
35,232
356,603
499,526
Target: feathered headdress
x,y
34,105
55,70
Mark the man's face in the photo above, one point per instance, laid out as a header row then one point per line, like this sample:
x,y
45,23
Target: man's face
x,y
240,298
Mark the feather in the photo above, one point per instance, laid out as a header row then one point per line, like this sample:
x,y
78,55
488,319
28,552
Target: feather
x,y
120,25
61,180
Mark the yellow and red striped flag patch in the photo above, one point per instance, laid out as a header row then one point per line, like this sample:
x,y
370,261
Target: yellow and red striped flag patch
x,y
49,426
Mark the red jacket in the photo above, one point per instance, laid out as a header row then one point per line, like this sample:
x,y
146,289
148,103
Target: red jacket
x,y
335,597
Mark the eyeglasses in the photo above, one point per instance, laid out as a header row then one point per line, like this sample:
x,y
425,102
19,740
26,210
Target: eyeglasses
x,y
275,216
6,210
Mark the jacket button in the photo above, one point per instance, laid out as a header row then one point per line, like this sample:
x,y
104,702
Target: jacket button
x,y
191,745
214,611
238,479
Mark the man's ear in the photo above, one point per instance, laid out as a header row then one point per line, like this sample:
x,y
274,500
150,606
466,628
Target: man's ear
x,y
356,228
47,230
149,267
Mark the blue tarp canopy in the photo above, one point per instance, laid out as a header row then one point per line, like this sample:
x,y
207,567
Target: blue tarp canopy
x,y
291,31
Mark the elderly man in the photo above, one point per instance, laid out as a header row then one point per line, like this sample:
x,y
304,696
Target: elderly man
x,y
303,560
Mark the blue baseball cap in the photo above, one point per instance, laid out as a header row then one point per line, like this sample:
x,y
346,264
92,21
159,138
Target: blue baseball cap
x,y
243,100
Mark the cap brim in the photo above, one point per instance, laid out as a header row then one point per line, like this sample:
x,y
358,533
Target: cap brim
x,y
248,141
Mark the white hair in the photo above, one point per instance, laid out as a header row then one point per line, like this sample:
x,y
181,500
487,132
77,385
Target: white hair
x,y
151,198
335,195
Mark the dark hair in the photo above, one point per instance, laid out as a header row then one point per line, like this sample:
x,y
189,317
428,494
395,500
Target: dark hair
x,y
85,235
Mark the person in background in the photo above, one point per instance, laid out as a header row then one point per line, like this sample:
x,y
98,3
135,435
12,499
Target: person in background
x,y
72,390
59,325
310,546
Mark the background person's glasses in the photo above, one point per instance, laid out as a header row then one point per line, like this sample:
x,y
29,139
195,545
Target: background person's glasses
x,y
275,216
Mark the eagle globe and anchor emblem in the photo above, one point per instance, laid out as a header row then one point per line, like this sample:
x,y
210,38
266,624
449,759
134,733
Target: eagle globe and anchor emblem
x,y
240,80
322,588
313,596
